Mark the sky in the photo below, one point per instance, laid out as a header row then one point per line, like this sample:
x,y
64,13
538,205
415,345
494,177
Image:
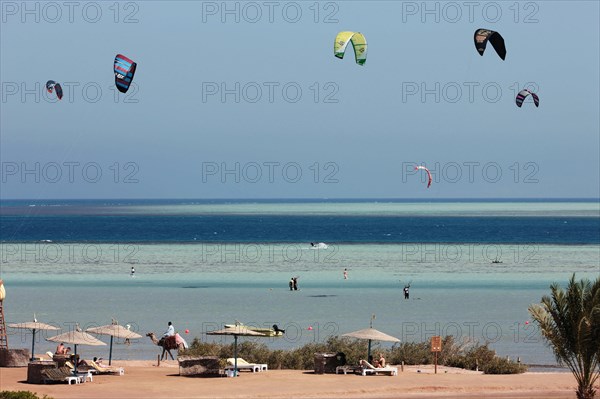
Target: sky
x,y
246,100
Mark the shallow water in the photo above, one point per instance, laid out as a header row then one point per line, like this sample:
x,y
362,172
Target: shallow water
x,y
200,287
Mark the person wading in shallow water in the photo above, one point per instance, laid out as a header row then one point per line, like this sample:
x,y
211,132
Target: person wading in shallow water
x,y
406,292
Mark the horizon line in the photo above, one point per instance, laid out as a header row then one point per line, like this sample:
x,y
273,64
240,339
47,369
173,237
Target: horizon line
x,y
592,199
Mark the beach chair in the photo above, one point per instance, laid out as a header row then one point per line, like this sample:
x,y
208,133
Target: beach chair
x,y
62,374
106,370
83,367
348,369
50,355
368,368
244,365
85,372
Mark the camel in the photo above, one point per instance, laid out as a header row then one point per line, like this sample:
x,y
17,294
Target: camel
x,y
166,344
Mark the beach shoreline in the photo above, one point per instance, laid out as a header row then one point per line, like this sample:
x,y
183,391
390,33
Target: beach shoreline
x,y
144,379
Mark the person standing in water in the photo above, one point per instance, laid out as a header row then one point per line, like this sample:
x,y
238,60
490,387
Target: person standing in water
x,y
132,271
406,292
345,274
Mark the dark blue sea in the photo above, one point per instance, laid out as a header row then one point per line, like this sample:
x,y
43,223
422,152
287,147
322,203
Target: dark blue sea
x,y
406,221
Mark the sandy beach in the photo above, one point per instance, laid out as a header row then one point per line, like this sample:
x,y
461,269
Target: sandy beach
x,y
143,379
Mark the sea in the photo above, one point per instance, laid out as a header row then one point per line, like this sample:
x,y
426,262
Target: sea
x,y
473,266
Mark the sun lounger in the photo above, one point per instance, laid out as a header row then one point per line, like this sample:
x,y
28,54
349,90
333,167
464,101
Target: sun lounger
x,y
62,374
244,365
106,370
85,375
50,355
82,367
85,372
348,369
368,368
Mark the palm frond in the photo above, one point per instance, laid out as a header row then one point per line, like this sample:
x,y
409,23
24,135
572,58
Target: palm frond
x,y
569,320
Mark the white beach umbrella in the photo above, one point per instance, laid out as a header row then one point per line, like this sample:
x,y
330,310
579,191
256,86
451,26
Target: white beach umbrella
x,y
76,338
33,326
113,330
237,331
371,334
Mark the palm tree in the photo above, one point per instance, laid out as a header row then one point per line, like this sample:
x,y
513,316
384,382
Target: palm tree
x,y
570,321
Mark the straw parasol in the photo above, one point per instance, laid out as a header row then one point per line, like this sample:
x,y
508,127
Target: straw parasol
x,y
237,331
371,334
33,326
114,330
76,337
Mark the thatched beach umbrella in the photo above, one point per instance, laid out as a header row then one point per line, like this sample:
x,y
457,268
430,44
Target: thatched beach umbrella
x,y
33,326
114,330
76,337
371,334
237,331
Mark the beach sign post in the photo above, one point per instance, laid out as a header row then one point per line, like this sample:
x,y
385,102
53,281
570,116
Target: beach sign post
x,y
436,347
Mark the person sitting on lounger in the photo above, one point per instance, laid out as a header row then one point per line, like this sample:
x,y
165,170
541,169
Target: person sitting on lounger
x,y
83,363
376,365
87,363
60,349
74,358
381,362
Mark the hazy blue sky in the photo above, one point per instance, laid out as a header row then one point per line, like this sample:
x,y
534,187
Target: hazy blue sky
x,y
424,96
